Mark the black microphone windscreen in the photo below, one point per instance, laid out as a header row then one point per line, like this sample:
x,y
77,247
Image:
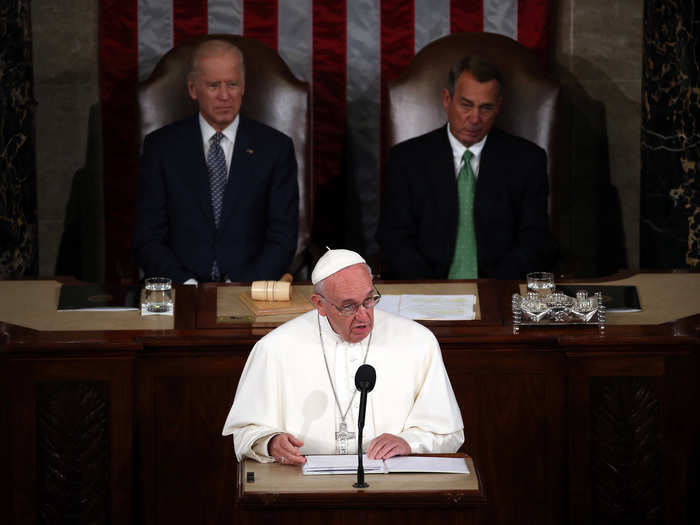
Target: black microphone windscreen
x,y
365,378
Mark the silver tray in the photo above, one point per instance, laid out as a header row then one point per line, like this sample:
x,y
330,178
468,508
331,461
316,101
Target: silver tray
x,y
558,309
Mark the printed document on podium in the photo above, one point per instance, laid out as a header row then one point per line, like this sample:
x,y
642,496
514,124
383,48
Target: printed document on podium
x,y
430,307
347,464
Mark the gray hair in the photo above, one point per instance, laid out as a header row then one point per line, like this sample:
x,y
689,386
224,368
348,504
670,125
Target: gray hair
x,y
482,70
211,48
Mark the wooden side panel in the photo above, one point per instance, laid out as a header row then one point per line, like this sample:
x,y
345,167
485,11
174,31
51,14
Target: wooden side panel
x,y
70,443
73,452
188,467
512,404
631,437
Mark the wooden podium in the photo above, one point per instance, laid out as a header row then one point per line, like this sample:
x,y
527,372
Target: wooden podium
x,y
149,396
282,494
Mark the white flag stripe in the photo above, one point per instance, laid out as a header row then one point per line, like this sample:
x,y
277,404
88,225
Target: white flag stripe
x,y
363,116
155,35
294,36
225,17
501,16
431,21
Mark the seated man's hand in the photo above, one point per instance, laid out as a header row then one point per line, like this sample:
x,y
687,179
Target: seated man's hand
x,y
386,446
283,448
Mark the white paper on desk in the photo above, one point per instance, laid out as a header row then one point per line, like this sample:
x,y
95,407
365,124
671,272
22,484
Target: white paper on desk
x,y
341,464
438,307
426,464
347,464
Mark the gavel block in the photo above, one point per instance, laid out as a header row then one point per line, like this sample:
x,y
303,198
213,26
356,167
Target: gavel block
x,y
272,290
275,298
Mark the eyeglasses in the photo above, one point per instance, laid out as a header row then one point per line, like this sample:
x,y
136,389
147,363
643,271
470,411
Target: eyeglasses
x,y
352,308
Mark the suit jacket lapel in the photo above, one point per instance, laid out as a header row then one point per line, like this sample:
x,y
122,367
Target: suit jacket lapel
x,y
240,173
491,156
446,189
489,163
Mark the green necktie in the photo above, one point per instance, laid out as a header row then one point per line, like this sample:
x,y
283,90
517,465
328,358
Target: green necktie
x,y
464,264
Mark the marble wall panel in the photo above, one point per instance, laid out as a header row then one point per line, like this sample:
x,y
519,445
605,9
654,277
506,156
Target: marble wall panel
x,y
670,144
18,215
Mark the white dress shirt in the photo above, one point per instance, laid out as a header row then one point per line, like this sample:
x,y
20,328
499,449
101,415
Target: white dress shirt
x,y
227,142
458,150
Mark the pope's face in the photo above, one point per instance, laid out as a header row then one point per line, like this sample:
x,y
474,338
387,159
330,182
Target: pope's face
x,y
473,108
351,285
218,86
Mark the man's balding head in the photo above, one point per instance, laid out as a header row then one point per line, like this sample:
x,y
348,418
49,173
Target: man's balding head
x,y
213,48
217,82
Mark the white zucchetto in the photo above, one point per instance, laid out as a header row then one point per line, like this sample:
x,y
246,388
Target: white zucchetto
x,y
334,261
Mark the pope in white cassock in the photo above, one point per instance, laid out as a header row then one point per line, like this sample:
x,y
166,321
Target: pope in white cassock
x,y
297,393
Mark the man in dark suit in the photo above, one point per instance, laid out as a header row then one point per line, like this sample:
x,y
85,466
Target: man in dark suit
x,y
218,196
434,225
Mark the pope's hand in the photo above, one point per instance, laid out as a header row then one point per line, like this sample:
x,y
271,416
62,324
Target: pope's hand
x,y
386,446
283,448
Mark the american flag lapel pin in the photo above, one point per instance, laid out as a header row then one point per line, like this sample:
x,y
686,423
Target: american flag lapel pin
x,y
250,151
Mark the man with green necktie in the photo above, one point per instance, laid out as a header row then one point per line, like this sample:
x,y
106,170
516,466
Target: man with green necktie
x,y
466,200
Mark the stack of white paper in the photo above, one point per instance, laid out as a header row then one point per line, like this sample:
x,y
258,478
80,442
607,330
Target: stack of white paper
x,y
341,464
348,465
430,307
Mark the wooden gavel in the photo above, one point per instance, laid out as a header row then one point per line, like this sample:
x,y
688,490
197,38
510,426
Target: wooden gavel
x,y
272,290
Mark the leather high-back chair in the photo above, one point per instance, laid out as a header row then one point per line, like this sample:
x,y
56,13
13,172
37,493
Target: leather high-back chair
x,y
531,98
273,95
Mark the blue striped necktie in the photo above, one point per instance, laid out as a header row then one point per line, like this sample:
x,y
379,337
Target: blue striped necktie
x,y
216,164
464,263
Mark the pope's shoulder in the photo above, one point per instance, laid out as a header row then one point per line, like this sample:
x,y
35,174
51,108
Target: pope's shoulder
x,y
295,331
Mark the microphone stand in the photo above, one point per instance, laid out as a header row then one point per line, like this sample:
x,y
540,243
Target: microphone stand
x,y
365,378
361,425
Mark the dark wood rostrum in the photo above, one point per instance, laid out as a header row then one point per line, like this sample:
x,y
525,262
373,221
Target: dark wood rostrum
x,y
566,425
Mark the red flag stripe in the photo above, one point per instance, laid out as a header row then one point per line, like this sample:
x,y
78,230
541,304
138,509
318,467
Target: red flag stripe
x,y
466,15
397,50
189,19
397,28
118,80
260,21
533,25
329,111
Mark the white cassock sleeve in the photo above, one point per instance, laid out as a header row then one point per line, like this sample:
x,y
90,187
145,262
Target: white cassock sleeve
x,y
434,424
255,417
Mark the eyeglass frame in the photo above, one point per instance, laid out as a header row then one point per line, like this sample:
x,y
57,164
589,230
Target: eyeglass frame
x,y
342,310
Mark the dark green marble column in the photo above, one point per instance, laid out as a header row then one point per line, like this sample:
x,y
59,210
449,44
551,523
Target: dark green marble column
x,y
670,190
18,212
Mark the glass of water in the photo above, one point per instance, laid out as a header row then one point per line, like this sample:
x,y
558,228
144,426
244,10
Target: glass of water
x,y
542,283
159,294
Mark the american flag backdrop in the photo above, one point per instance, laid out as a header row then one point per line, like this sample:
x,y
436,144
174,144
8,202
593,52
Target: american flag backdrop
x,y
346,49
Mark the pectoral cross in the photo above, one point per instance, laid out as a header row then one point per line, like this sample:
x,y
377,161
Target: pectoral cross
x,y
341,438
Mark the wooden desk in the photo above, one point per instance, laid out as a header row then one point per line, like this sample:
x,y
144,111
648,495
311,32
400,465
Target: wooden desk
x,y
418,498
566,425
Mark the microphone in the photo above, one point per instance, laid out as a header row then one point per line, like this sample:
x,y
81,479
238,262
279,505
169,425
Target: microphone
x,y
365,378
